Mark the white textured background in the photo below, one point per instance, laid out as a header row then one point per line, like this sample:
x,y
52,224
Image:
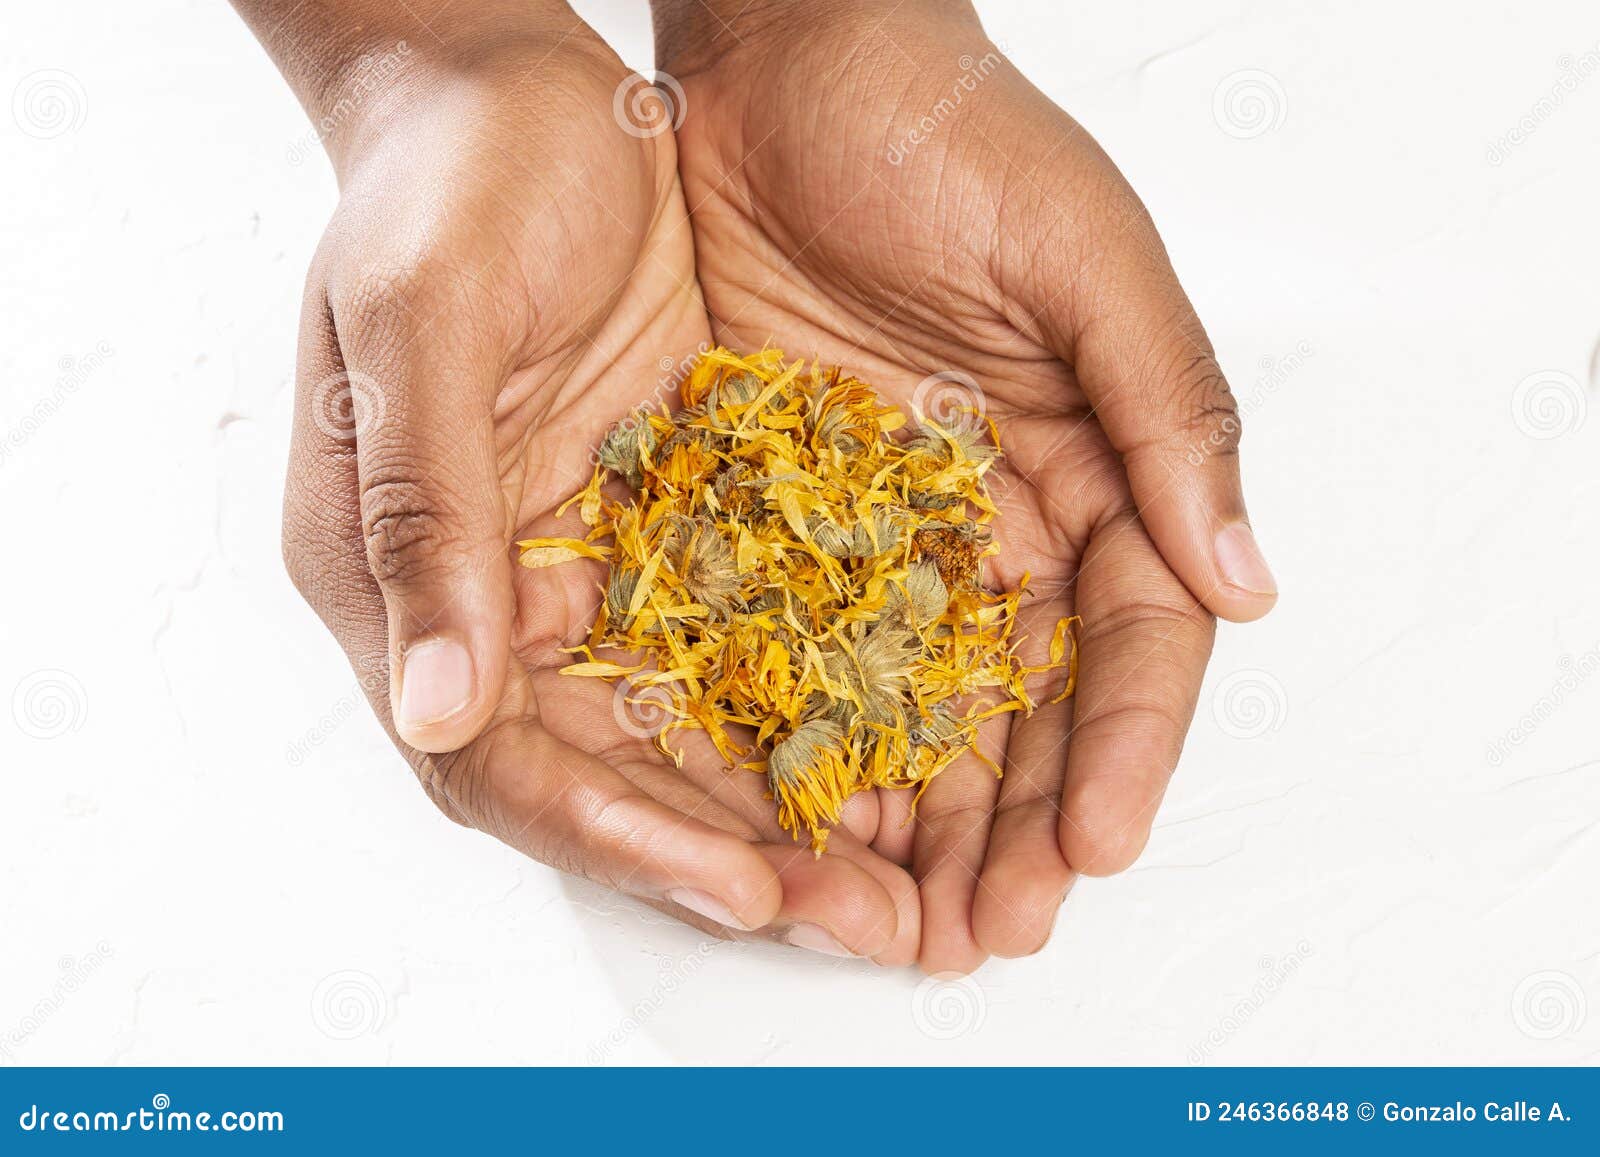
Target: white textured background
x,y
1382,845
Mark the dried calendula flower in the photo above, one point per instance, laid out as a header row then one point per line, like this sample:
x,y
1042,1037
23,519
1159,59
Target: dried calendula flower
x,y
925,595
619,595
623,448
952,445
703,562
793,571
954,550
810,775
735,490
829,537
874,668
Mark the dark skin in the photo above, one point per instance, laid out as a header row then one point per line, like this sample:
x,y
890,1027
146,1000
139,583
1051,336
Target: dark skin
x,y
1005,246
511,258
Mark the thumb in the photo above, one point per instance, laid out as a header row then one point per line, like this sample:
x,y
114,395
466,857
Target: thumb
x,y
1150,372
432,514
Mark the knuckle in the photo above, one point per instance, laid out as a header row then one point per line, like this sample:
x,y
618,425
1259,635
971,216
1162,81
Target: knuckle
x,y
1148,619
553,851
407,539
455,782
597,835
1154,616
320,549
561,839
561,833
1207,410
1184,380
1135,717
954,823
1179,377
389,297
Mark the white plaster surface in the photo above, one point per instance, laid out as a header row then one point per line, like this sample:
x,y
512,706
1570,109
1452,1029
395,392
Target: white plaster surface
x,y
1368,879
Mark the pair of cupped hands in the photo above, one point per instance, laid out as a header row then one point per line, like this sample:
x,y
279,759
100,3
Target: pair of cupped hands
x,y
528,241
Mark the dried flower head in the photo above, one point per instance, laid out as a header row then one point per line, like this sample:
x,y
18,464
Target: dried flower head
x,y
735,490
829,537
955,552
925,595
623,446
792,570
963,443
810,776
619,595
703,561
874,669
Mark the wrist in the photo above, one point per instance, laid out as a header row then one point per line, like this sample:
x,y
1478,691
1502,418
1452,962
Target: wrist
x,y
356,65
692,35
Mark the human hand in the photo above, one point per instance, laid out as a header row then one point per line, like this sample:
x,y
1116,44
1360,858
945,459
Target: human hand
x,y
996,259
508,263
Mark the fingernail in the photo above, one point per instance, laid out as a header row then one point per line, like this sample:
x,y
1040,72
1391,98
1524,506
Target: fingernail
x,y
1241,562
706,905
816,938
435,682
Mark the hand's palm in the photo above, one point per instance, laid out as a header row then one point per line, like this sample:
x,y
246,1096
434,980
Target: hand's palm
x,y
915,275
546,251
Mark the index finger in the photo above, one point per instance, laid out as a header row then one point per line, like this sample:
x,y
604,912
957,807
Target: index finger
x,y
1143,653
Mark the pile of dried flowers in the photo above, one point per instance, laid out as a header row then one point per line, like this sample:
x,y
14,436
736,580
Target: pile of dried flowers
x,y
788,574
